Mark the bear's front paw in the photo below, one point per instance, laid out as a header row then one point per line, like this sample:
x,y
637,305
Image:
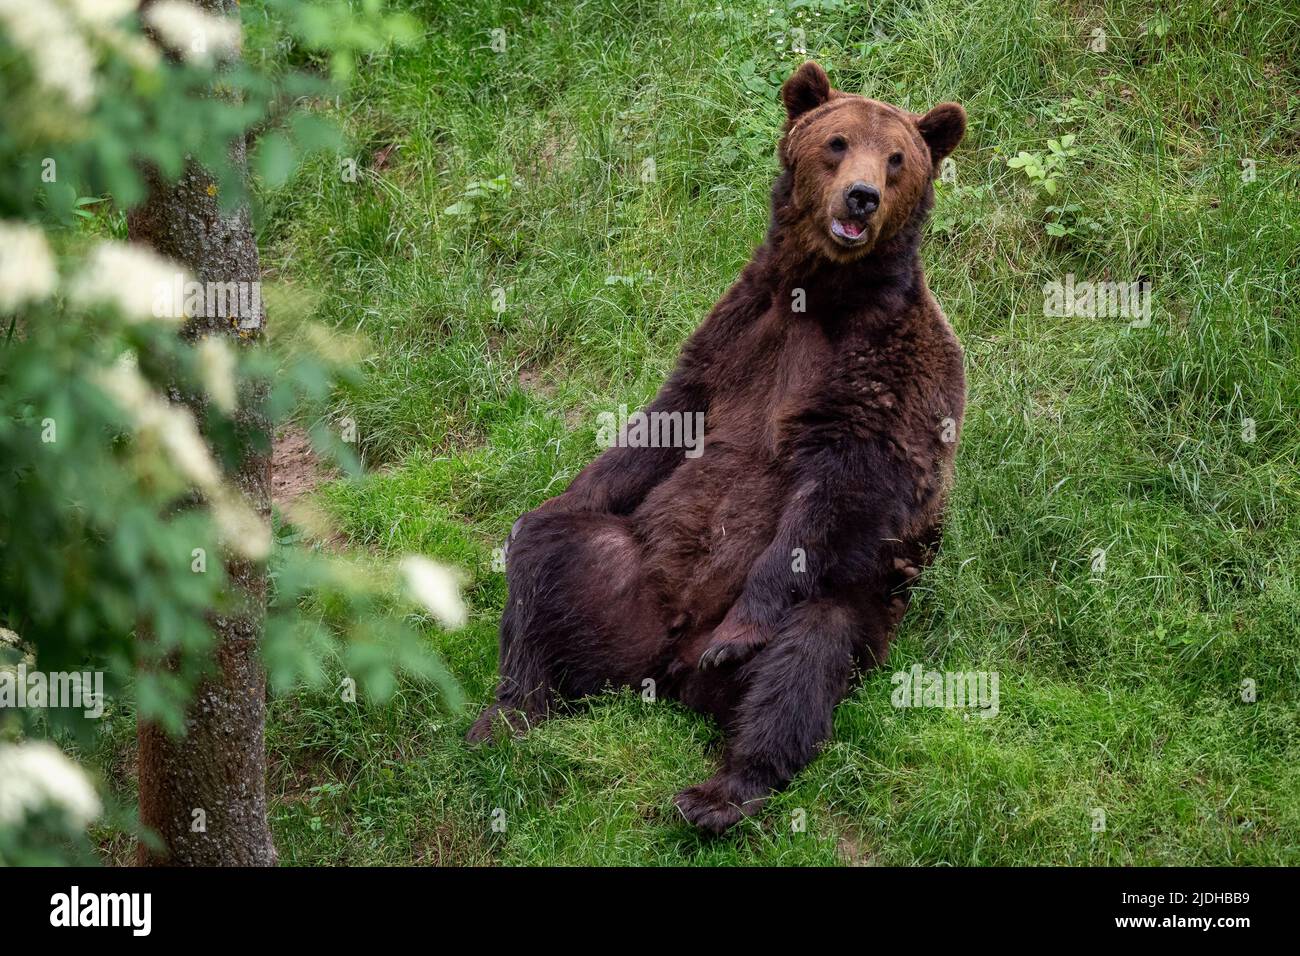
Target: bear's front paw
x,y
718,803
733,642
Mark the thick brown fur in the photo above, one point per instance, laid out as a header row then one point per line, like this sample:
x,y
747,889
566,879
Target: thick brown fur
x,y
752,582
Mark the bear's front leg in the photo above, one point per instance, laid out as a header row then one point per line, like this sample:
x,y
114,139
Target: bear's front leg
x,y
784,716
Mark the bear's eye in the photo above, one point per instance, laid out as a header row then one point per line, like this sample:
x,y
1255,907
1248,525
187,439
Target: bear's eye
x,y
896,161
837,144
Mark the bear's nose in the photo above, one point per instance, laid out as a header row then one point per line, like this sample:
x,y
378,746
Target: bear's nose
x,y
862,199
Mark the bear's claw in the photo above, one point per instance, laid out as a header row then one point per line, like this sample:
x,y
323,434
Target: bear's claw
x,y
716,653
733,644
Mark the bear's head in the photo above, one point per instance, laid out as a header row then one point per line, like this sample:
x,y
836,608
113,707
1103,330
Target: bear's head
x,y
856,170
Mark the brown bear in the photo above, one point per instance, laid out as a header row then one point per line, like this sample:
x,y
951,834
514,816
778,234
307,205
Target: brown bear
x,y
752,579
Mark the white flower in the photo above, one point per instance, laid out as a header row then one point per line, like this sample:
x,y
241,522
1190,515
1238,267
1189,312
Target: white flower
x,y
138,282
170,424
27,271
436,587
142,54
217,367
103,11
36,774
196,35
103,21
242,530
60,58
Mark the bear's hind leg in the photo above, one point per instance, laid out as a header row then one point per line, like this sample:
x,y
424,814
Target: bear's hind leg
x,y
524,691
792,687
578,617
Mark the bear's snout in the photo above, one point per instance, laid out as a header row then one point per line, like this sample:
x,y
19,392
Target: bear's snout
x,y
861,200
852,212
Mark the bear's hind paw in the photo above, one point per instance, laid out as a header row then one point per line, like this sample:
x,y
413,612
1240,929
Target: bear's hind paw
x,y
514,722
716,804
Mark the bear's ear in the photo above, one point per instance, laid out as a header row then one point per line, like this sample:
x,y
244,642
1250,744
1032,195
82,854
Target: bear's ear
x,y
806,89
942,129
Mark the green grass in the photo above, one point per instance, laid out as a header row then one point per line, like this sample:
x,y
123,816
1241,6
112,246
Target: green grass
x,y
1120,693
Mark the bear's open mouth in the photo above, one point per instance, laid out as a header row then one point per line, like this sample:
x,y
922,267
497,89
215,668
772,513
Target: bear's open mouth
x,y
848,231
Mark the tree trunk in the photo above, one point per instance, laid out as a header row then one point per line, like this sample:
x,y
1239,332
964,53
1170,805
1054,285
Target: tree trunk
x,y
205,794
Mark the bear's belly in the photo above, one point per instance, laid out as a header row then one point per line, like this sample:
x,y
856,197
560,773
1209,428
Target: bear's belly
x,y
704,527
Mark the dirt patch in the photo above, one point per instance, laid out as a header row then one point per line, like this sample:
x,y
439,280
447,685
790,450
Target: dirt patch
x,y
295,468
853,849
379,160
557,152
531,380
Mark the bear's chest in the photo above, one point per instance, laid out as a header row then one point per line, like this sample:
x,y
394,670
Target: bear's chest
x,y
773,375
792,372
